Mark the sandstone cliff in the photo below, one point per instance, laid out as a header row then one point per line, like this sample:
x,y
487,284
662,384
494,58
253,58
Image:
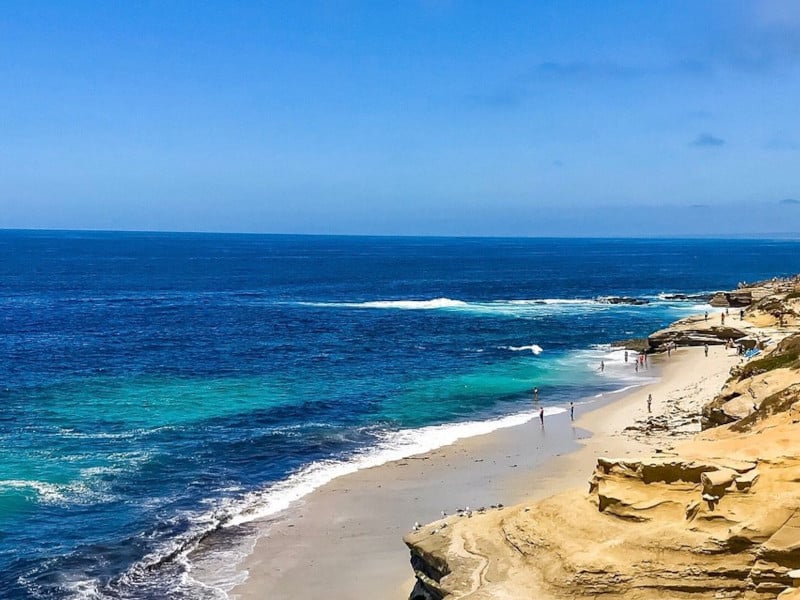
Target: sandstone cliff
x,y
716,515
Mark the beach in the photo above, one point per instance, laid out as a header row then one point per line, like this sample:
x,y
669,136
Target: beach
x,y
346,537
165,422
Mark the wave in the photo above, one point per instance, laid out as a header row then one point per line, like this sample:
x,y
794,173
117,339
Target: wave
x,y
45,492
394,446
534,348
90,489
396,304
278,497
512,307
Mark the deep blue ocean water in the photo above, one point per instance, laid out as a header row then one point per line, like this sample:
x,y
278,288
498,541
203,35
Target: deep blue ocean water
x,y
156,386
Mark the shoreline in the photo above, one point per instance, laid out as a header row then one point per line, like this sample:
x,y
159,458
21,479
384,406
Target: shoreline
x,y
349,531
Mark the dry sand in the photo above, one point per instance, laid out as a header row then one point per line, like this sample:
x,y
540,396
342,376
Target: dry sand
x,y
344,540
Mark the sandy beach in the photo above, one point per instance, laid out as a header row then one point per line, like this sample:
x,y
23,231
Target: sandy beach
x,y
346,537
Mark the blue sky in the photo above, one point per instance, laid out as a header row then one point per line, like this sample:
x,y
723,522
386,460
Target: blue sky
x,y
410,117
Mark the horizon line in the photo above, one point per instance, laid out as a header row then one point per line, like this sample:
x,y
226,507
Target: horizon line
x,y
785,236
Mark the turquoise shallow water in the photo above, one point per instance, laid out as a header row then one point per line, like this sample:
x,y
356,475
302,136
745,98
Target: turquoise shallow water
x,y
155,387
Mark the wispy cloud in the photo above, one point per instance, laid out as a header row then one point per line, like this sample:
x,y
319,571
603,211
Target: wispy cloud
x,y
706,140
789,201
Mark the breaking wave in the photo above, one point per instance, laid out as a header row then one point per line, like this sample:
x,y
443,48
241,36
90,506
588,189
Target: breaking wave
x,y
533,348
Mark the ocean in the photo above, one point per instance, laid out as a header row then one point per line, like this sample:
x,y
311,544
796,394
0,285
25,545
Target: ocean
x,y
156,387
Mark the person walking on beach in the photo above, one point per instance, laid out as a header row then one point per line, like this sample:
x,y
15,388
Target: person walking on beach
x,y
741,315
571,410
722,317
649,402
602,366
636,366
705,349
541,415
626,356
706,315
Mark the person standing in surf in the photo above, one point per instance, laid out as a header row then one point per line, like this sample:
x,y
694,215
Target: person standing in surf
x,y
541,415
536,395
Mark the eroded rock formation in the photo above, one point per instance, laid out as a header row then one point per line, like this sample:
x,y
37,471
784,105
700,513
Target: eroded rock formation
x,y
716,516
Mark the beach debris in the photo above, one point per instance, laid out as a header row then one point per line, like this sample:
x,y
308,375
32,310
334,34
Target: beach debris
x,y
416,526
444,514
499,505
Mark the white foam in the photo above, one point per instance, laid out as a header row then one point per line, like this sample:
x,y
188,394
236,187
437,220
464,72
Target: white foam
x,y
395,446
80,491
84,589
278,497
534,348
47,492
396,304
516,308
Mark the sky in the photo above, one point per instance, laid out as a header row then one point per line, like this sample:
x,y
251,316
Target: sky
x,y
413,117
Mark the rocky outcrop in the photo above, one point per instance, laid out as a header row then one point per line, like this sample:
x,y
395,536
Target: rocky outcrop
x,y
725,409
429,569
736,299
692,334
622,300
763,385
653,527
692,297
